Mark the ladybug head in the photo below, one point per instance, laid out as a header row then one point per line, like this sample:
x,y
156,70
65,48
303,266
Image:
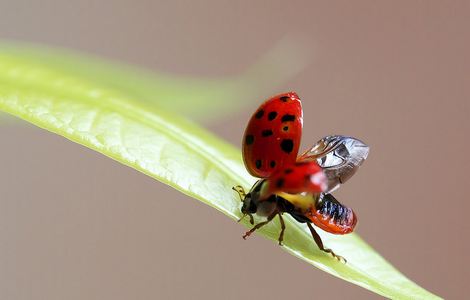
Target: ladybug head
x,y
250,202
253,203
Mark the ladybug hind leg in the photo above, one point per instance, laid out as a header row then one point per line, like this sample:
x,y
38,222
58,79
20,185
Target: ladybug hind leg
x,y
319,243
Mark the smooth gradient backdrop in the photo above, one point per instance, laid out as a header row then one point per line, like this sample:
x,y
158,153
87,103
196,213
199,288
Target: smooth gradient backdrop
x,y
77,225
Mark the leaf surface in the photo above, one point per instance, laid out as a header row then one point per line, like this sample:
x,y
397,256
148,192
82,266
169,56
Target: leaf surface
x,y
177,152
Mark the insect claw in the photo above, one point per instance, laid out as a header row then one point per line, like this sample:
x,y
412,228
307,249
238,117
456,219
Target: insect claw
x,y
341,259
338,257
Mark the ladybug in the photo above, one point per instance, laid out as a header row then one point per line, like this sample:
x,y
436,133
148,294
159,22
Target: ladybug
x,y
301,185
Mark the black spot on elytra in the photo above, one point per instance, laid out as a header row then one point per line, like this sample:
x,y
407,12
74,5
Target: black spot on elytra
x,y
288,118
266,132
288,171
284,98
272,163
287,145
280,182
259,114
285,128
272,115
249,139
258,163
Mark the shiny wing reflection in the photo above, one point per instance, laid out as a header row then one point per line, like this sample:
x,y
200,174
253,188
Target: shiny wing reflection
x,y
339,156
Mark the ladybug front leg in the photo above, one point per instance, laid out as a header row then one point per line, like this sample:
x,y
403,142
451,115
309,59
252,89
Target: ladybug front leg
x,y
319,242
259,225
252,220
283,228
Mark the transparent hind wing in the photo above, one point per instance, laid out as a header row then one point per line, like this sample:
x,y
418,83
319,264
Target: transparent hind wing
x,y
339,157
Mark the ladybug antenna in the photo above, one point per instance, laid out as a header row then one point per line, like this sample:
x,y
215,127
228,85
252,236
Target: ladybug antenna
x,y
241,192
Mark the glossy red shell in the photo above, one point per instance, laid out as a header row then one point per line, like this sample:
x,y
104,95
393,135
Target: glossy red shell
x,y
297,178
272,137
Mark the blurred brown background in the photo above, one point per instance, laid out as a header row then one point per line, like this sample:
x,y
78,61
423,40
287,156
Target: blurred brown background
x,y
76,225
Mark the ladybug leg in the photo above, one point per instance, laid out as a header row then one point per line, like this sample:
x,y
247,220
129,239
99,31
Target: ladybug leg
x,y
252,221
319,243
259,225
283,228
241,191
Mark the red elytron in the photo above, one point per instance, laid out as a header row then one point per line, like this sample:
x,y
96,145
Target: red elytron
x,y
276,122
298,185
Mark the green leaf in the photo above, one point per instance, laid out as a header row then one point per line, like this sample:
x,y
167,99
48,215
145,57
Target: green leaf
x,y
177,152
211,98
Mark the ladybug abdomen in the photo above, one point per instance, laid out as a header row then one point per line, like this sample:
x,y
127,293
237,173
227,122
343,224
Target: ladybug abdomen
x,y
332,216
